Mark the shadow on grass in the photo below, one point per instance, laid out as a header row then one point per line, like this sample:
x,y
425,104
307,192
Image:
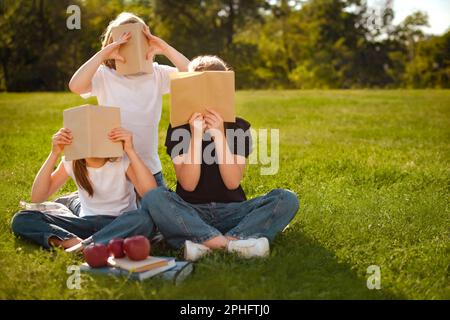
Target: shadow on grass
x,y
298,268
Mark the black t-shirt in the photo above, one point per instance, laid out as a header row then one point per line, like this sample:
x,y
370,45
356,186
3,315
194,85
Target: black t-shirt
x,y
210,187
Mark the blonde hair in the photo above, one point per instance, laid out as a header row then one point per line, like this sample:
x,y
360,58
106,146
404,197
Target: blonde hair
x,y
208,63
123,18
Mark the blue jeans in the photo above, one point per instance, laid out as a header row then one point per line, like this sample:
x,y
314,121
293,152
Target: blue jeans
x,y
179,220
39,227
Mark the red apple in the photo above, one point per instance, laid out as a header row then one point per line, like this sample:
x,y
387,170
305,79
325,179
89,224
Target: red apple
x,y
136,248
115,247
96,255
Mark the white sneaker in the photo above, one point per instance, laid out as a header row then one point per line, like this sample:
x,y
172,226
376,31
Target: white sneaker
x,y
250,248
194,251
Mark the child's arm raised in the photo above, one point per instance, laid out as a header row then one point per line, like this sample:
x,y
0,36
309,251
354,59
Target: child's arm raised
x,y
48,181
159,46
81,81
141,177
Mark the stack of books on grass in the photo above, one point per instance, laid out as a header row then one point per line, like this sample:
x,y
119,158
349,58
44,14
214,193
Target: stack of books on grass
x,y
165,267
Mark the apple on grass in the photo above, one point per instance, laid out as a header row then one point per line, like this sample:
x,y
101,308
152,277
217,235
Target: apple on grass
x,y
96,255
115,247
136,248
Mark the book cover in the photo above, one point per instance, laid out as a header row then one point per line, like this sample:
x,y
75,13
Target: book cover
x,y
134,51
196,91
90,126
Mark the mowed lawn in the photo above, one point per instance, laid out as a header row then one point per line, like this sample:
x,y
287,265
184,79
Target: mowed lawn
x,y
371,169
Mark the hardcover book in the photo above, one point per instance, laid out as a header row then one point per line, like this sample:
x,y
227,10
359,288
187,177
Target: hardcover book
x,y
174,271
196,91
90,126
134,51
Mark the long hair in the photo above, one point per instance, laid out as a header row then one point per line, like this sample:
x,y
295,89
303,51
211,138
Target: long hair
x,y
123,18
82,175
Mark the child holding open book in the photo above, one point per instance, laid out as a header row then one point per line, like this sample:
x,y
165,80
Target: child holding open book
x,y
104,195
138,96
209,209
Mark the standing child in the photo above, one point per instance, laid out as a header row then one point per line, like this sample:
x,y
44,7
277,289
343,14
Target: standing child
x,y
104,195
138,96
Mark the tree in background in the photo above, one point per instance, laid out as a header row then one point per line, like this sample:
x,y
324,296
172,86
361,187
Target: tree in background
x,y
329,38
269,43
30,44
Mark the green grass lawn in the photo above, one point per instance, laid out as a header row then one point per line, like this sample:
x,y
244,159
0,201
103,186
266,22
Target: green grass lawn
x,y
371,169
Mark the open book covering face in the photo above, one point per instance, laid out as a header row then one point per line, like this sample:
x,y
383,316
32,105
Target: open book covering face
x,y
90,126
197,91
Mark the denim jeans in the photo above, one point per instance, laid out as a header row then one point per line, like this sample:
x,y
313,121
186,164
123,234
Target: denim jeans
x,y
178,220
39,227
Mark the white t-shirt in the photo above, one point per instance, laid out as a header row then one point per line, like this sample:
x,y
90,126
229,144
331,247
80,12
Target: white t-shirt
x,y
139,98
113,195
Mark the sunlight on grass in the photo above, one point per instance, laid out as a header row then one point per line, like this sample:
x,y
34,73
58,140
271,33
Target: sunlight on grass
x,y
370,168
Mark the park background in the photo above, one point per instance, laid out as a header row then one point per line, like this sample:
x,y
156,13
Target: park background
x,y
361,103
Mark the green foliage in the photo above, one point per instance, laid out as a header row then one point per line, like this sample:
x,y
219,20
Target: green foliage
x,y
430,66
270,44
370,169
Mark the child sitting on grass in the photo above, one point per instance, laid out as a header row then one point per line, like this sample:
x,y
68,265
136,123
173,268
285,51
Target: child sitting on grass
x,y
104,194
